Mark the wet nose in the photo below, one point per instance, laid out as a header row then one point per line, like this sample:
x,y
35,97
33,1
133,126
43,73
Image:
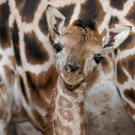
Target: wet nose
x,y
73,68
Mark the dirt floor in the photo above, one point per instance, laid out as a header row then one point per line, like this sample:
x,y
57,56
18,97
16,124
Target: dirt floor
x,y
11,129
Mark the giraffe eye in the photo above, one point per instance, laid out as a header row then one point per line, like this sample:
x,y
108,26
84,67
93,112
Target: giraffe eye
x,y
98,58
57,47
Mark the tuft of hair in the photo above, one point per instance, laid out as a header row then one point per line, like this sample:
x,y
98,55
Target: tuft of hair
x,y
85,23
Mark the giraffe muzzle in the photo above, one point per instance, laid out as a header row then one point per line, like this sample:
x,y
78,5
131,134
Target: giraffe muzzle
x,y
73,68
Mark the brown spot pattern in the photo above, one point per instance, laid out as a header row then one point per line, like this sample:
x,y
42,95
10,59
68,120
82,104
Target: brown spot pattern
x,y
113,20
67,11
41,85
129,65
121,77
60,129
105,66
12,59
129,43
27,9
130,109
118,4
110,54
43,24
130,94
131,14
9,74
15,39
116,52
35,52
38,118
104,33
92,9
64,102
23,89
81,108
4,26
66,114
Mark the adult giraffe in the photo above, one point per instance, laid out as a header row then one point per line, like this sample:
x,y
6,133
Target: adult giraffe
x,y
26,20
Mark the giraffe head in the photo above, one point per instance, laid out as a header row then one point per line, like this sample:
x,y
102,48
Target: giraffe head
x,y
79,47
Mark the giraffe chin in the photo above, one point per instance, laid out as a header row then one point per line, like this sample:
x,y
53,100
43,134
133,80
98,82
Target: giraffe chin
x,y
70,86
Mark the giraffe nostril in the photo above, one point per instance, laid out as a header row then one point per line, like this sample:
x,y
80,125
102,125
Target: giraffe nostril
x,y
73,68
67,68
79,70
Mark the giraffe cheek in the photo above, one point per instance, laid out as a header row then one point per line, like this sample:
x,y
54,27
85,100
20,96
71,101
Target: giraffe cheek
x,y
61,61
60,65
89,67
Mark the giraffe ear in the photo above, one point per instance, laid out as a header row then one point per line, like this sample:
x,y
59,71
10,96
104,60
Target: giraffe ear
x,y
115,37
55,21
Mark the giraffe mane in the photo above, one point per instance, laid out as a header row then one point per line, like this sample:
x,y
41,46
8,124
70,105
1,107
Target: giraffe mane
x,y
49,124
85,23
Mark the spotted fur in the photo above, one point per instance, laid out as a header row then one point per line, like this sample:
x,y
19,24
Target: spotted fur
x,y
23,23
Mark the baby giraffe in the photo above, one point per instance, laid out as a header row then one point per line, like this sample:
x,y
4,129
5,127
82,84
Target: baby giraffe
x,y
78,50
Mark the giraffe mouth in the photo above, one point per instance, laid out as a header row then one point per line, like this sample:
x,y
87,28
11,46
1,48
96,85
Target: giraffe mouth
x,y
72,79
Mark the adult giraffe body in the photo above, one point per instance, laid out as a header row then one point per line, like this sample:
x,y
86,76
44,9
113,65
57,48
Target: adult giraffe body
x,y
23,35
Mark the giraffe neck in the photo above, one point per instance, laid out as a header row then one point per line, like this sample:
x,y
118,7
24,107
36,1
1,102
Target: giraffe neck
x,y
68,114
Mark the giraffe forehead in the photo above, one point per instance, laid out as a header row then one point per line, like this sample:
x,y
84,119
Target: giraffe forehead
x,y
76,39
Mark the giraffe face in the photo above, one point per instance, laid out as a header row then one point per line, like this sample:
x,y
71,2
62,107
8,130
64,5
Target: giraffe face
x,y
79,47
78,51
